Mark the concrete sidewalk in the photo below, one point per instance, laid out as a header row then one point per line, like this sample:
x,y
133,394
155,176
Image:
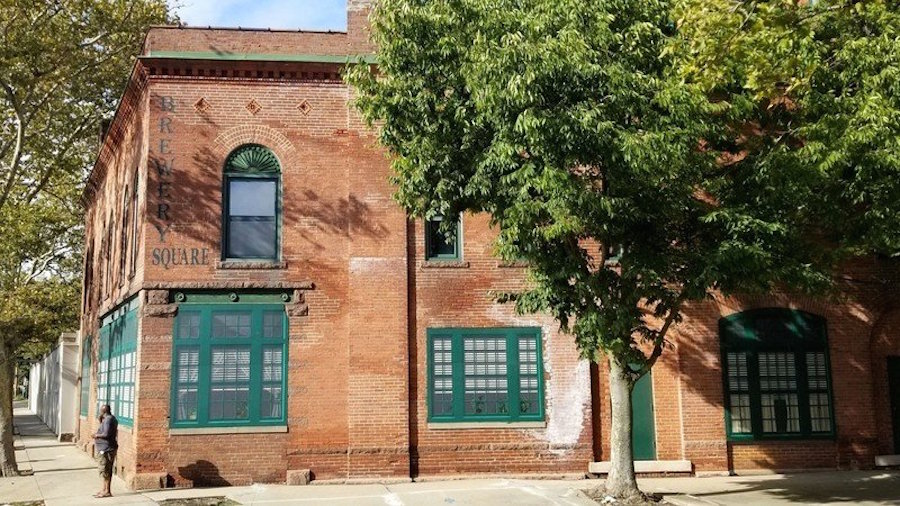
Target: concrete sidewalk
x,y
57,473
64,475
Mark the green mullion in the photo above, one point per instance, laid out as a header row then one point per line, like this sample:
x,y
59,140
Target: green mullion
x,y
755,393
539,346
204,366
802,379
512,375
256,361
458,362
284,363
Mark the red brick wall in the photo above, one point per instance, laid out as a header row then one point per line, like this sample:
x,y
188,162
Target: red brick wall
x,y
689,399
459,296
885,343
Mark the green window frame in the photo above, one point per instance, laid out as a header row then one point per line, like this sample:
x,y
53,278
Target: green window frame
x,y
117,362
479,374
229,365
776,375
441,246
86,345
253,167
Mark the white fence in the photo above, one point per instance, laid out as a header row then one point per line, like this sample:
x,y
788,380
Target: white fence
x,y
53,387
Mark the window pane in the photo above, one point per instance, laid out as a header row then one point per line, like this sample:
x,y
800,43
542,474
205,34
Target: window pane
x,y
229,403
528,379
252,198
272,364
740,413
777,371
270,404
780,413
442,377
273,324
439,244
188,325
252,239
234,325
230,365
188,366
737,372
819,403
187,404
486,388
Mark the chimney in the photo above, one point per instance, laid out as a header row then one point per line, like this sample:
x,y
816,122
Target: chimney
x,y
358,26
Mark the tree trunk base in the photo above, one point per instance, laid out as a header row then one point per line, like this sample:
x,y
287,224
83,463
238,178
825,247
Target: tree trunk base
x,y
632,497
7,470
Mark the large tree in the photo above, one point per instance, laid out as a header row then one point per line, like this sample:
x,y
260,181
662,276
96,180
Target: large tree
x,y
63,64
582,127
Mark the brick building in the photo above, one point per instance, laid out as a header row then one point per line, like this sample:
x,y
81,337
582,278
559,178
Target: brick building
x,y
256,304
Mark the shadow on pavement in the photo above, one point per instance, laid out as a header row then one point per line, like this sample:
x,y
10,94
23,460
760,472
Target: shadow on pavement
x,y
814,488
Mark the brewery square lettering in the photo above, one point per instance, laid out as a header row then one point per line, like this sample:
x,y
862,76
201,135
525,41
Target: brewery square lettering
x,y
163,162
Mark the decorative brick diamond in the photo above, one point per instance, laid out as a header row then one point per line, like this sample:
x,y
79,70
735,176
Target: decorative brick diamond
x,y
253,106
304,107
202,105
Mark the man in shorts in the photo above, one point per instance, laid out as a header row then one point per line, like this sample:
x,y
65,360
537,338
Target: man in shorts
x,y
106,444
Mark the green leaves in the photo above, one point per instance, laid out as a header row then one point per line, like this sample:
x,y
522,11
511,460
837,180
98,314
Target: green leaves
x,y
731,146
63,65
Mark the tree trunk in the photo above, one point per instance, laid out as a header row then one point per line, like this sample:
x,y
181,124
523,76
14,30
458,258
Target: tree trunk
x,y
8,466
621,483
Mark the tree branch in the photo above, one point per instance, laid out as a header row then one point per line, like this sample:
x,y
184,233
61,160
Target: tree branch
x,y
659,339
49,171
20,137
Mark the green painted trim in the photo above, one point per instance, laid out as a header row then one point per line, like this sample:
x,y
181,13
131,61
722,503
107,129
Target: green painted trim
x,y
118,343
456,336
798,332
299,58
231,175
86,356
235,297
204,345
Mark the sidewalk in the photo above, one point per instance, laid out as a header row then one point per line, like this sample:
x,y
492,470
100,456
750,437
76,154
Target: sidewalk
x,y
60,473
65,476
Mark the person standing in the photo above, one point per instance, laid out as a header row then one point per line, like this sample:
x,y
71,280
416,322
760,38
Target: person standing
x,y
106,443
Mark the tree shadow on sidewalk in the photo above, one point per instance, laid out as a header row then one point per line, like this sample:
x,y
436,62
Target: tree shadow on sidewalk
x,y
814,488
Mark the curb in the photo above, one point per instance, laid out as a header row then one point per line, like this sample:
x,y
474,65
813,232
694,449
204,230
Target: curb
x,y
688,500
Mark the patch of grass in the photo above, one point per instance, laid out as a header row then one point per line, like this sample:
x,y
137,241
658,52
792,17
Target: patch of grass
x,y
199,501
23,503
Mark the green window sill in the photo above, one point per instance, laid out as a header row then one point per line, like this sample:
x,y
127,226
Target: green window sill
x,y
781,437
486,425
256,429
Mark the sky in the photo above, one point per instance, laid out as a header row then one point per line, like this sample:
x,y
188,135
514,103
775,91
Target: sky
x,y
282,14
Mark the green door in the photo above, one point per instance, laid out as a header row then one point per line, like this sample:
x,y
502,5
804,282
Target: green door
x,y
643,434
894,382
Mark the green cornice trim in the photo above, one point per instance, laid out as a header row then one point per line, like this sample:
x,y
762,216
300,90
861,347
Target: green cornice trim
x,y
300,58
232,297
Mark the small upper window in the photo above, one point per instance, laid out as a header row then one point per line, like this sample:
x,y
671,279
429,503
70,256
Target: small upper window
x,y
440,245
252,195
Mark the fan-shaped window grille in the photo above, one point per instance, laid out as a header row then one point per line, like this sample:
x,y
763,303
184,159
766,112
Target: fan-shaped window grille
x,y
254,159
252,204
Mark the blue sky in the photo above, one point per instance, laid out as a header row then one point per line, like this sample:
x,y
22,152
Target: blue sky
x,y
287,14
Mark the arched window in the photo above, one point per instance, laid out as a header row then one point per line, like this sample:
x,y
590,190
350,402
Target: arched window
x,y
252,204
777,375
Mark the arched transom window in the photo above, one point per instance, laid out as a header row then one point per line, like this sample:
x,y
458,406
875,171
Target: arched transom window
x,y
252,204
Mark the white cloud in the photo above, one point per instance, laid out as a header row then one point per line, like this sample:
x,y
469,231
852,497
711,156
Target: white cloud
x,y
285,14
